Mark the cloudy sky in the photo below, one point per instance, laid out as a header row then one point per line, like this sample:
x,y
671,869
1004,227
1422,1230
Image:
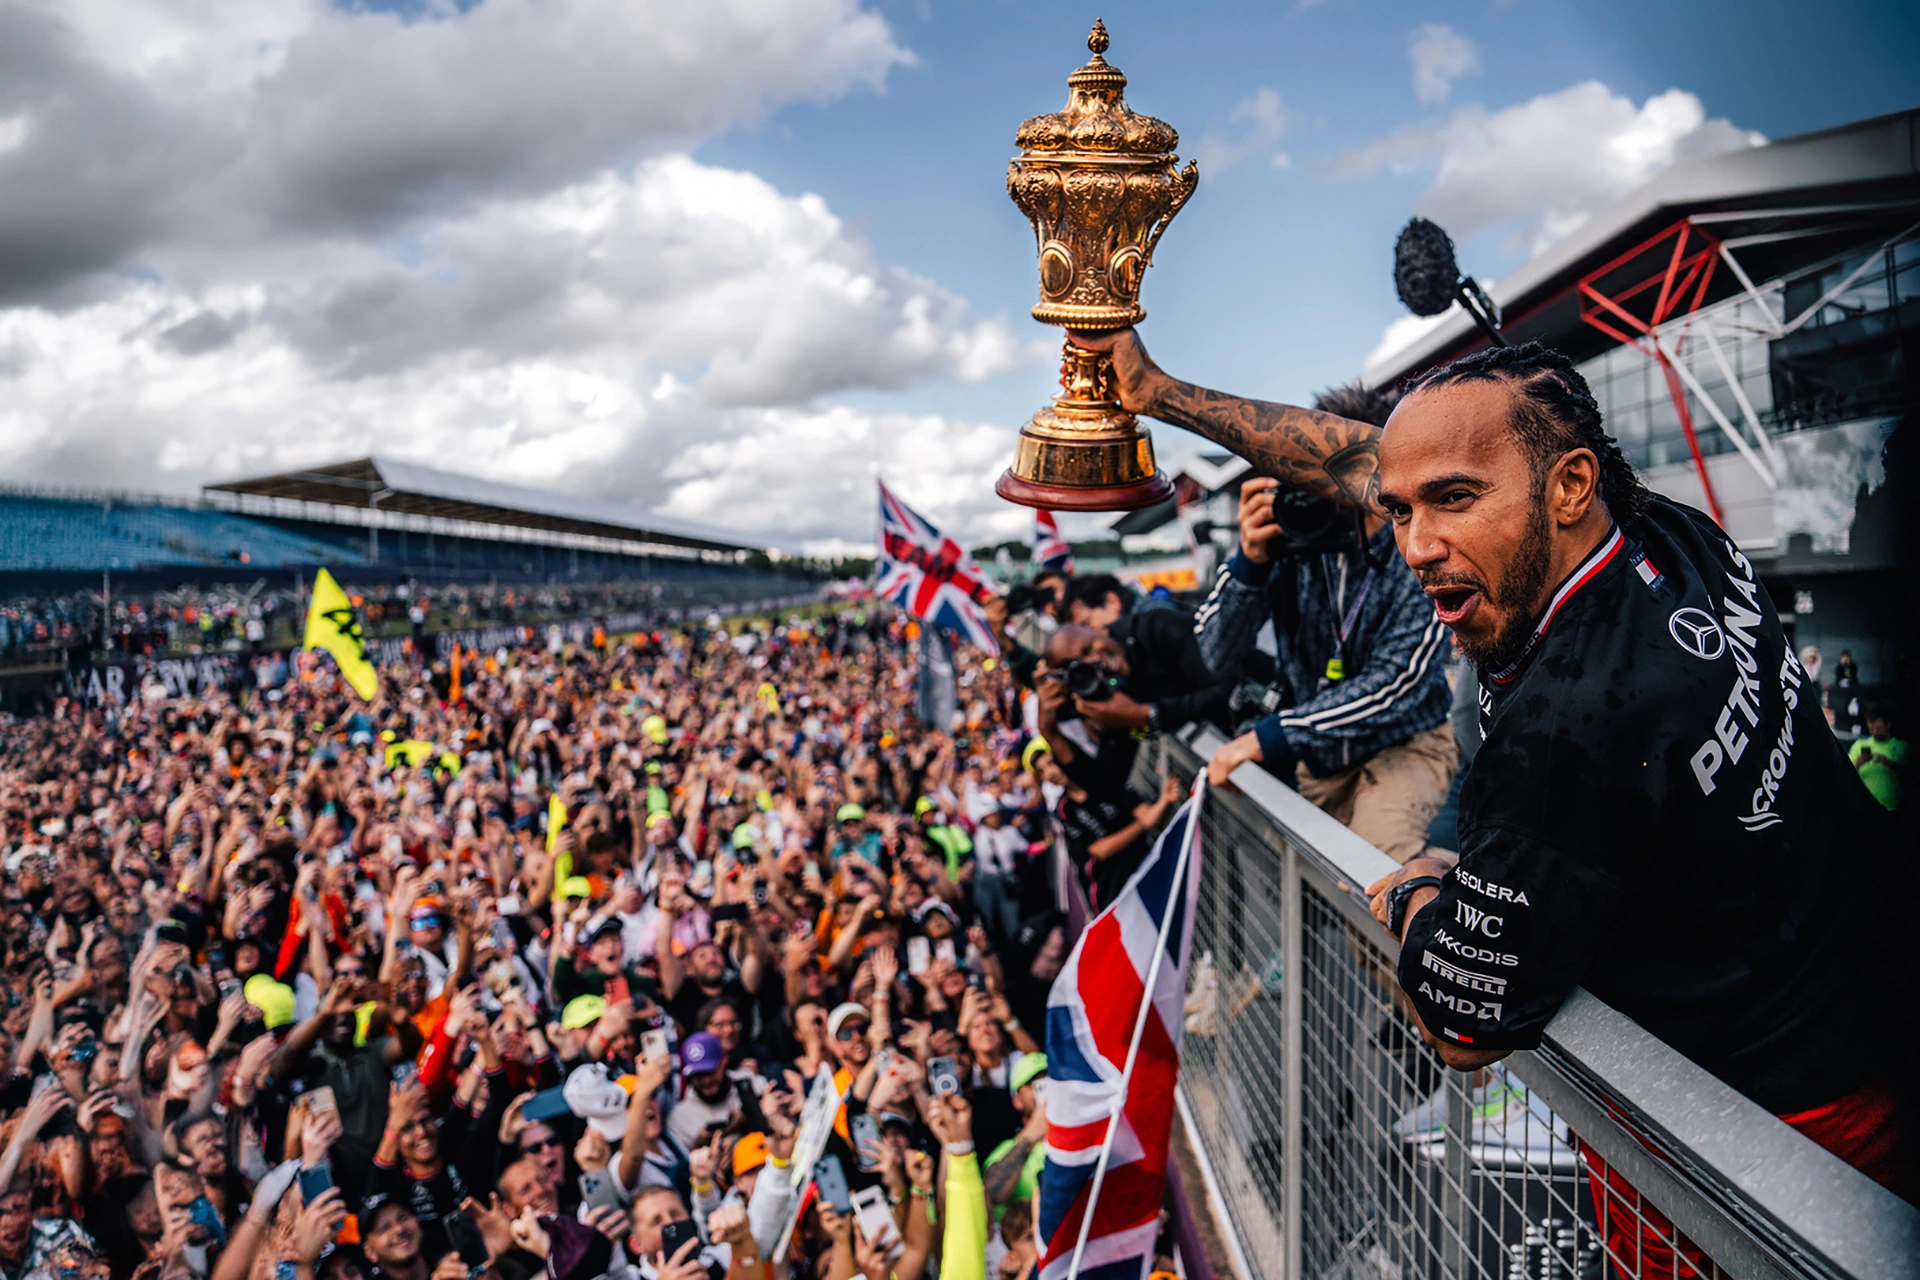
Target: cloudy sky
x,y
728,259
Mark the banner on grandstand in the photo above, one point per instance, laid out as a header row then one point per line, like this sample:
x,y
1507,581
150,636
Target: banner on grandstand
x,y
1114,1022
930,575
332,627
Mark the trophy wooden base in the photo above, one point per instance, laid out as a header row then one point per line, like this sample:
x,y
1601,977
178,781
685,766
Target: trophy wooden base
x,y
1152,491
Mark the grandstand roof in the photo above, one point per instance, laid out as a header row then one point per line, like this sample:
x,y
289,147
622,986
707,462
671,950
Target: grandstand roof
x,y
410,488
1781,206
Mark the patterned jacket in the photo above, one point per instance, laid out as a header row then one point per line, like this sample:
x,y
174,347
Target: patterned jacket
x,y
1393,661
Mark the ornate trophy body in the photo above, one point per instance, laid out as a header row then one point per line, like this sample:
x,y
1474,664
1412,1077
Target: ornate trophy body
x,y
1099,184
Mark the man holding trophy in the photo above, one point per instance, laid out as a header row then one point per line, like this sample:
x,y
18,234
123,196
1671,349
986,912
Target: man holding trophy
x,y
1690,855
1657,811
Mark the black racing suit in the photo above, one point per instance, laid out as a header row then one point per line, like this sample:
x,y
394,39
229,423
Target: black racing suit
x,y
1659,813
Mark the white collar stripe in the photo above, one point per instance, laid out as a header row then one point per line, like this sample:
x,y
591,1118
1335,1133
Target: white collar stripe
x,y
1596,560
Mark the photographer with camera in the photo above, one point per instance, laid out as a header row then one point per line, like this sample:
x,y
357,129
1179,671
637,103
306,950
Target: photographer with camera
x,y
1044,600
1103,691
1361,725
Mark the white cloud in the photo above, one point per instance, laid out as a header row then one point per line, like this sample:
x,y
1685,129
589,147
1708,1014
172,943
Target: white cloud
x,y
223,126
474,238
1440,56
1256,124
810,475
1403,333
616,338
1540,168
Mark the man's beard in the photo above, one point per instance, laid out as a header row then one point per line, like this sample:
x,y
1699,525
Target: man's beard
x,y
1520,587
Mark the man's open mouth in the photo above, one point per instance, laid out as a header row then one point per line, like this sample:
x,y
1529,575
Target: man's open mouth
x,y
1454,604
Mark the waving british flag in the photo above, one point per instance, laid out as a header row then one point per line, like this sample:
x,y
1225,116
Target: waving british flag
x,y
930,575
1050,550
1093,1015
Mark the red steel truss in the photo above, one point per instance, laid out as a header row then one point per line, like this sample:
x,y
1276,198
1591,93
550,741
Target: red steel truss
x,y
1619,300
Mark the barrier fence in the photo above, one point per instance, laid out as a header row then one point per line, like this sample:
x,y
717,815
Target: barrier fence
x,y
1335,1145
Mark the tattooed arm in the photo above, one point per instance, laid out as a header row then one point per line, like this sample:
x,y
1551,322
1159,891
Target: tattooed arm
x,y
1319,452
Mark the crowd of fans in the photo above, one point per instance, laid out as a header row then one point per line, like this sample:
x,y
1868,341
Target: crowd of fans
x,y
538,978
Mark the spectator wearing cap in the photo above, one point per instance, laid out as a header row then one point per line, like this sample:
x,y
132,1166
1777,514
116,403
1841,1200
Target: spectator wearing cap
x,y
853,835
597,965
749,1158
711,1099
390,1233
952,841
427,934
274,1000
1014,1167
850,1042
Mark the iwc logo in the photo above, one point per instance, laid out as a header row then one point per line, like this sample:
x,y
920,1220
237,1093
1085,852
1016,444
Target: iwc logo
x,y
1698,632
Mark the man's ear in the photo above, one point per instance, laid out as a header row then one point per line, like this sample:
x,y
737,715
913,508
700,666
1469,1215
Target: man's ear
x,y
1572,487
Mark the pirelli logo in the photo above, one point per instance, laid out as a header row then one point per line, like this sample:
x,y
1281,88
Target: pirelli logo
x,y
1463,978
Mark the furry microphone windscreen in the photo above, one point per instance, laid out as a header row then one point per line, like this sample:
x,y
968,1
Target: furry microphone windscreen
x,y
1424,270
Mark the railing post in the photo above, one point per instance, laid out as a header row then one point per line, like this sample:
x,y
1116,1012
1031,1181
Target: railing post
x,y
1292,980
1454,1193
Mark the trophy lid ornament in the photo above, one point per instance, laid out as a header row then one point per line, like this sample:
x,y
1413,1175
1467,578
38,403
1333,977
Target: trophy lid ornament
x,y
1099,182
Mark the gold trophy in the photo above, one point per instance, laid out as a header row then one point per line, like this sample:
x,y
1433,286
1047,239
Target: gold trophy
x,y
1098,183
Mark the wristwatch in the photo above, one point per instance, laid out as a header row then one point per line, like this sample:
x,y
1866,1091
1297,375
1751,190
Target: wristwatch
x,y
1397,900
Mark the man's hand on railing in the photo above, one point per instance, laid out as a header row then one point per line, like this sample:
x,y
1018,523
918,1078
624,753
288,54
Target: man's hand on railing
x,y
1241,750
1380,889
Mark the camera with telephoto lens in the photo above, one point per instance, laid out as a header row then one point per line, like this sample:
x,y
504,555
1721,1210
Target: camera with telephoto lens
x,y
1090,680
1311,525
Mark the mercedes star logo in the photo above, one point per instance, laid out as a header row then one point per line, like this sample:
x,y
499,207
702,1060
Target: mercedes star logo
x,y
1698,632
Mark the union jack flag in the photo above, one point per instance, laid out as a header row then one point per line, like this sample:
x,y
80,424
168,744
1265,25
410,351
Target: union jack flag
x,y
1091,1013
930,575
1050,550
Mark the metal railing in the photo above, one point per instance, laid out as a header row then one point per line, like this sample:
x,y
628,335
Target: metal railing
x,y
1336,1146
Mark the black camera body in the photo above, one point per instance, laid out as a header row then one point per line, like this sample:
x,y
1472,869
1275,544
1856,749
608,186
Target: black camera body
x,y
1025,598
1312,525
1090,680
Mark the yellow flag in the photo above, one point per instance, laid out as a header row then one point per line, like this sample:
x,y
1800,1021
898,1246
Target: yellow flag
x,y
562,863
331,626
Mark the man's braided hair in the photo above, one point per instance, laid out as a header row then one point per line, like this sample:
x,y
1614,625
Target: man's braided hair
x,y
1553,413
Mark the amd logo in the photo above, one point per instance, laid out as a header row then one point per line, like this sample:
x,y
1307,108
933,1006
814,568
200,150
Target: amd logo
x,y
1479,921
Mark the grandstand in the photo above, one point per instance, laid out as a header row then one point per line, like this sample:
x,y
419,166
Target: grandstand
x,y
380,517
48,533
371,521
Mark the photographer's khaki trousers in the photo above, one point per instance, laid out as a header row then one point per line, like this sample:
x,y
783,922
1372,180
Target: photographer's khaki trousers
x,y
1391,798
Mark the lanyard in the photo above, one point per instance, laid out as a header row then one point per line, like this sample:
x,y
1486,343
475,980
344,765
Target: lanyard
x,y
1346,626
1337,664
